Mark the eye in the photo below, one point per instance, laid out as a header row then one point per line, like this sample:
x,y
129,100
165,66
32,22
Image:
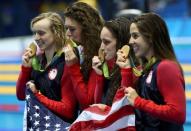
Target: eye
x,y
66,28
135,35
71,29
106,42
41,33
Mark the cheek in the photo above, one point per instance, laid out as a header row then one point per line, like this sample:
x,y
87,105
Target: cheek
x,y
111,53
50,39
76,36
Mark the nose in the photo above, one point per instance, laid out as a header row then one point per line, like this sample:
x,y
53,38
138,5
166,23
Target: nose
x,y
102,47
36,36
131,41
68,33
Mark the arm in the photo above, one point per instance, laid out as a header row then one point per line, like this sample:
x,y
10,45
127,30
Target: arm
x,y
127,77
25,73
99,88
23,78
123,62
84,91
67,105
171,86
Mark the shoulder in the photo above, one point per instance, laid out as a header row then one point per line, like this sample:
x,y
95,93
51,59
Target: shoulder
x,y
168,66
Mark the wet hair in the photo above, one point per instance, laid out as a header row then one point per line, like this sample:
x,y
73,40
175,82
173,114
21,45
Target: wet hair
x,y
56,26
91,23
154,31
119,28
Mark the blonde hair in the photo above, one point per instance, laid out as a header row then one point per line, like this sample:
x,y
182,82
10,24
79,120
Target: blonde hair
x,y
57,26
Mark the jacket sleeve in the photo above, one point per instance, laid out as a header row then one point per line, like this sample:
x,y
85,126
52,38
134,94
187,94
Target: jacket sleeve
x,y
23,78
127,77
67,105
171,83
85,92
99,88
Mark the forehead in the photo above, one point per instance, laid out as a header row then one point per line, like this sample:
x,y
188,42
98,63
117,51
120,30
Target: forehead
x,y
41,24
133,28
71,22
105,32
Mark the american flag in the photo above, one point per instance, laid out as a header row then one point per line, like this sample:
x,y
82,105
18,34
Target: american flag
x,y
119,117
38,118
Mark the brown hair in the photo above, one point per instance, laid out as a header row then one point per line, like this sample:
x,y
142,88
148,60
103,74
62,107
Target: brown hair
x,y
91,23
120,30
155,32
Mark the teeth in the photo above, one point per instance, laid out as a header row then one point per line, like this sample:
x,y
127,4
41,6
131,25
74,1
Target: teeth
x,y
135,48
39,44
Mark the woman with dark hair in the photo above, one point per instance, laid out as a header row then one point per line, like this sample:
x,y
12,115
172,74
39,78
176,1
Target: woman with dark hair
x,y
114,35
83,26
158,97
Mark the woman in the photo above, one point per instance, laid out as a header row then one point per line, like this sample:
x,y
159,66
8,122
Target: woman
x,y
48,82
83,26
158,97
114,35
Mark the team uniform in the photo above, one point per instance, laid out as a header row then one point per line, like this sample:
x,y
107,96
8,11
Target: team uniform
x,y
164,85
54,85
85,92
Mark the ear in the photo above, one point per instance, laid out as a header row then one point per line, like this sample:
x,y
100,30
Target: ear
x,y
56,32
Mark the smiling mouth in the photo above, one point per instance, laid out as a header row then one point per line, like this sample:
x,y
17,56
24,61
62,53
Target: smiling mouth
x,y
39,43
135,49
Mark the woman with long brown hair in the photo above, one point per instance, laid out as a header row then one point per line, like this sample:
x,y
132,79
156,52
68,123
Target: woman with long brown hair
x,y
83,26
158,97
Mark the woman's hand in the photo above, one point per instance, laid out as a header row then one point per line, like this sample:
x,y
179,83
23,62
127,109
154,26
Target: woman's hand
x,y
31,85
100,106
131,95
96,63
122,61
70,56
27,58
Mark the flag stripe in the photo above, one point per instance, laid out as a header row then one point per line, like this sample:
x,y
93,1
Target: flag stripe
x,y
39,118
119,117
121,123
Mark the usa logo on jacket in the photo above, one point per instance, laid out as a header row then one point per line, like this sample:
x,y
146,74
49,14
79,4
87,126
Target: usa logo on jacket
x,y
52,73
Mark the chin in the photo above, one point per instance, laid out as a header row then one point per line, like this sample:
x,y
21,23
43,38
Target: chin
x,y
107,58
137,55
41,49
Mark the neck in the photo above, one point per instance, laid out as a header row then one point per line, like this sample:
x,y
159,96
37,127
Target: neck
x,y
150,54
49,54
149,64
111,63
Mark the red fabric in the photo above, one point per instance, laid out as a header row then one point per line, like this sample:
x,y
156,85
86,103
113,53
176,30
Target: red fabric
x,y
111,116
100,83
99,89
127,73
111,63
99,124
21,82
64,108
85,91
171,86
